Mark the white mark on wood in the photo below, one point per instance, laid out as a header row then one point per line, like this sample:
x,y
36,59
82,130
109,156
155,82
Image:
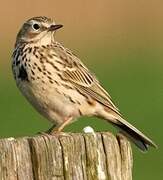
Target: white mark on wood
x,y
100,170
66,161
88,129
11,139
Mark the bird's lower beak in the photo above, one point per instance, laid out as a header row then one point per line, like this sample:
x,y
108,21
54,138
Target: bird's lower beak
x,y
55,27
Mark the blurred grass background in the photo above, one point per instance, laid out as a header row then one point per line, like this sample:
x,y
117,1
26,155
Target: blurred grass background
x,y
121,41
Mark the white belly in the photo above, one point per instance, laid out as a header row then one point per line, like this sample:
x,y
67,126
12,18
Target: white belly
x,y
49,102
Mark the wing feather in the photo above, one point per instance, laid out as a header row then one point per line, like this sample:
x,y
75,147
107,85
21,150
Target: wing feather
x,y
82,79
89,85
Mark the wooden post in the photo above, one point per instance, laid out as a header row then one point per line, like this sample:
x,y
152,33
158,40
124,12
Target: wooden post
x,y
73,156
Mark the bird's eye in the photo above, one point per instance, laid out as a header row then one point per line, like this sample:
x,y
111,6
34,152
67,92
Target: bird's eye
x,y
36,26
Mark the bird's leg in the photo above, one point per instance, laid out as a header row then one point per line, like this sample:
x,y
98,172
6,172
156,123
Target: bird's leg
x,y
51,129
57,129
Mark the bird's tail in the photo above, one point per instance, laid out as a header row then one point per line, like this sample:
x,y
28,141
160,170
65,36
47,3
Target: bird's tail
x,y
136,136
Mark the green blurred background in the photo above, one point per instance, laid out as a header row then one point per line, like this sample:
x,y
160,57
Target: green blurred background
x,y
121,41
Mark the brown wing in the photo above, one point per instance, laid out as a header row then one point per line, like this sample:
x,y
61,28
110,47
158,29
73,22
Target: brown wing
x,y
82,79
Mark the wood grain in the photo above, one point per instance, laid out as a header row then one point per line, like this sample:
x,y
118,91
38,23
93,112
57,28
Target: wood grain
x,y
72,156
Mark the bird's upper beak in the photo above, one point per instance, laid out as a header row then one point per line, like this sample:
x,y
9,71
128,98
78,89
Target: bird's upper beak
x,y
55,27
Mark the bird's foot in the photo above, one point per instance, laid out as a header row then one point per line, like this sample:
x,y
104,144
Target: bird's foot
x,y
59,134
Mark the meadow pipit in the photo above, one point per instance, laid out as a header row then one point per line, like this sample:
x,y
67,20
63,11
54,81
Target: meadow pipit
x,y
59,85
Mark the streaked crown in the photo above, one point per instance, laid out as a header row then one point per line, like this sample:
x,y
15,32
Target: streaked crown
x,y
36,29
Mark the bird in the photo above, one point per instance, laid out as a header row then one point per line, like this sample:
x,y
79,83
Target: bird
x,y
59,85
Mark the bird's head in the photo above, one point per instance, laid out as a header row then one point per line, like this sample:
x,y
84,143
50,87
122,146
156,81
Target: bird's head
x,y
38,29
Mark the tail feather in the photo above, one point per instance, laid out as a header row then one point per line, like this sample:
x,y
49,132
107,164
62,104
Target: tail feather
x,y
136,136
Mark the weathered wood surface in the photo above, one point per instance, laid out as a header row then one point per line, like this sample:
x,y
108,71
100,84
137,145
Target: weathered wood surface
x,y
87,156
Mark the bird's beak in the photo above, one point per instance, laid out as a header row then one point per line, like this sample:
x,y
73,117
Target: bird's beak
x,y
55,27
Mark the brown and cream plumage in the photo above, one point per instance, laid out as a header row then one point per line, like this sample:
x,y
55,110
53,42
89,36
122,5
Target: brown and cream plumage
x,y
59,85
